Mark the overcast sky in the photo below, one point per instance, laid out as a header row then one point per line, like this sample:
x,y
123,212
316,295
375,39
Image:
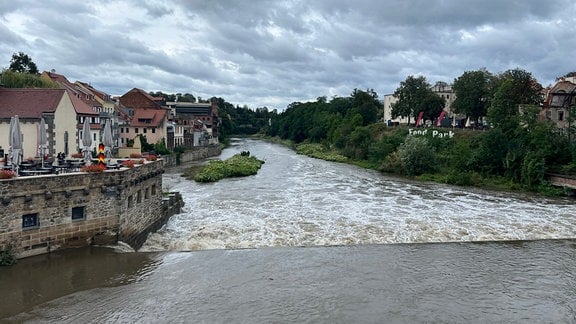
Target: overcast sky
x,y
272,53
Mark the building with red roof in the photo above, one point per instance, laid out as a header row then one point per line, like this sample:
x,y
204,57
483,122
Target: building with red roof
x,y
30,105
146,116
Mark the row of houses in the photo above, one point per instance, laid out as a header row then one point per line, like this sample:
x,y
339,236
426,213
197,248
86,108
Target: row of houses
x,y
131,115
557,101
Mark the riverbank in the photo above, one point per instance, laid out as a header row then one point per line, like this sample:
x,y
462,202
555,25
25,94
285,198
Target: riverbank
x,y
443,175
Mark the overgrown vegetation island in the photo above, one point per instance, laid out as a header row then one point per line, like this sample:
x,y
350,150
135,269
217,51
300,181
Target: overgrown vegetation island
x,y
239,165
515,150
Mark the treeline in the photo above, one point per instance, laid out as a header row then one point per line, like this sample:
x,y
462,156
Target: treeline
x,y
518,149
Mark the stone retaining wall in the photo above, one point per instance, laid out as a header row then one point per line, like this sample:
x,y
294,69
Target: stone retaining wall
x,y
44,213
194,154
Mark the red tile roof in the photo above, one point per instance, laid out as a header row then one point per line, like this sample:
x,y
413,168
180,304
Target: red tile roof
x,y
148,118
82,105
29,103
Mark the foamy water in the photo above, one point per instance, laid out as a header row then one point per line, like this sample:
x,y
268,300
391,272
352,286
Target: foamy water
x,y
299,201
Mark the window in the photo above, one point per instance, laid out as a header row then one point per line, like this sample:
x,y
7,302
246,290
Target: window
x,y
560,115
145,130
130,202
79,213
136,130
147,193
139,196
154,190
121,129
30,221
153,130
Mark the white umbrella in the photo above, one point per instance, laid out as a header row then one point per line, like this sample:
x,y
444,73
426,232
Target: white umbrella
x,y
16,141
10,141
42,140
86,141
107,139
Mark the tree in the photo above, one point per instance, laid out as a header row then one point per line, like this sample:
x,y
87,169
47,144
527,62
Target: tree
x,y
22,63
432,106
366,103
472,91
411,95
512,88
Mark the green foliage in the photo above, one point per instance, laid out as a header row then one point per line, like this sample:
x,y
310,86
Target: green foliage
x,y
462,178
417,156
511,89
22,63
160,147
7,256
236,166
320,152
11,79
533,170
472,90
411,95
145,146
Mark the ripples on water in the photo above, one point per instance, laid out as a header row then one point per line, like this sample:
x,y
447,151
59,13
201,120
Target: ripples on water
x,y
299,201
522,282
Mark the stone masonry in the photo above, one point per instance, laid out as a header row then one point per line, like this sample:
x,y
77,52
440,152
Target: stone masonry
x,y
40,214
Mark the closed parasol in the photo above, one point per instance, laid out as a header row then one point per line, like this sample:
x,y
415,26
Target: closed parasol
x,y
16,143
107,139
42,140
86,142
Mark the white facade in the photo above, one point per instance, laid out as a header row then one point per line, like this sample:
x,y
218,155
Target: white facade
x,y
442,89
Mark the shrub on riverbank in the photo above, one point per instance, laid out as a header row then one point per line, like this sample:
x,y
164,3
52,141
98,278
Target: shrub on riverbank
x,y
320,152
236,166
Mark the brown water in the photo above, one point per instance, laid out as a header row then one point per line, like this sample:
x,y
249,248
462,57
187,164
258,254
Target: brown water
x,y
307,241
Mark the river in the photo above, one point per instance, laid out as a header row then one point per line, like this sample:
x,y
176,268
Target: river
x,y
310,241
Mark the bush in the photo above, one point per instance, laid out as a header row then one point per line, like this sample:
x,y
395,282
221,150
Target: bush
x,y
417,156
236,166
318,151
7,256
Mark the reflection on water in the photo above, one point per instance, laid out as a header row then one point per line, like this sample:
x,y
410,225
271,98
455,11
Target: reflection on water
x,y
39,279
514,282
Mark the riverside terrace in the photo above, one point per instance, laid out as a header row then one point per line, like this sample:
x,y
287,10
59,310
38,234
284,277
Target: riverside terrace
x,y
43,213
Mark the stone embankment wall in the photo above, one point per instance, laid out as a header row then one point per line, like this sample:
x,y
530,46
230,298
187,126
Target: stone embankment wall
x,y
44,213
194,154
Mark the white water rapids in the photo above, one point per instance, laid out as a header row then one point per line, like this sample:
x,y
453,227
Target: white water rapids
x,y
295,200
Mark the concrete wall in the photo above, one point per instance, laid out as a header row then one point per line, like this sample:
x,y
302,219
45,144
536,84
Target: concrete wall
x,y
118,205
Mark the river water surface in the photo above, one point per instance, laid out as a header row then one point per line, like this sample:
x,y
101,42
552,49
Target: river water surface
x,y
310,241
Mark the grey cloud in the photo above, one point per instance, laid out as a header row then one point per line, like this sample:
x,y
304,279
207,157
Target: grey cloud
x,y
271,53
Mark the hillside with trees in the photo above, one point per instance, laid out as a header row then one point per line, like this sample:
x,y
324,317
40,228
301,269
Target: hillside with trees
x,y
516,152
